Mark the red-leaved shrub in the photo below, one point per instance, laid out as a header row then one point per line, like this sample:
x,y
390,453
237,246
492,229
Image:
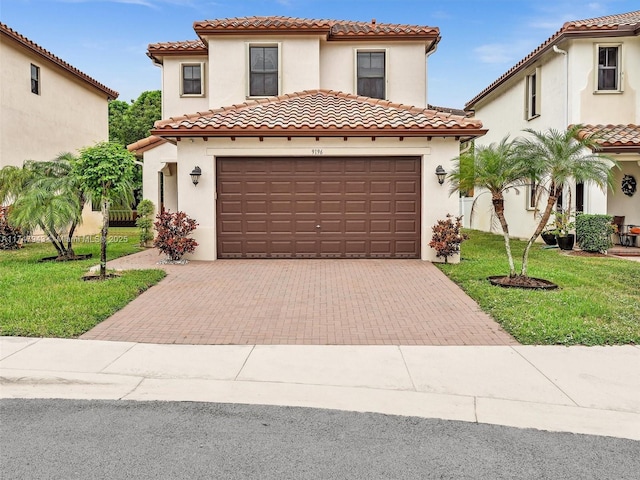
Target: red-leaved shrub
x,y
447,237
9,235
173,230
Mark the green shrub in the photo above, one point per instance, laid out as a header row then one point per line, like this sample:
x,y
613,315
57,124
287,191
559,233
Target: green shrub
x,y
593,232
144,221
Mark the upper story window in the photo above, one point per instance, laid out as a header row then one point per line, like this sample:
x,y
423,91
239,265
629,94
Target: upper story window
x,y
371,74
532,195
191,79
264,63
609,67
35,79
533,95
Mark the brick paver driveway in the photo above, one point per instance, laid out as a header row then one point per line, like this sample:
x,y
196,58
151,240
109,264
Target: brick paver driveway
x,y
312,302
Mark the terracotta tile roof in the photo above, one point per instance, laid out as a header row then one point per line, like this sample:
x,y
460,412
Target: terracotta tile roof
x,y
625,24
454,111
334,29
320,113
38,50
614,138
187,47
145,144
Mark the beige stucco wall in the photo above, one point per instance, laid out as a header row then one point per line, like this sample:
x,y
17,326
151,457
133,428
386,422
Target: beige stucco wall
x,y
406,69
605,108
307,62
173,104
199,201
162,158
67,115
229,66
504,113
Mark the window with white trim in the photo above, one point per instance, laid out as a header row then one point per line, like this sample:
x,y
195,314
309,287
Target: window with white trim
x,y
191,80
609,68
35,79
532,195
371,74
533,94
264,70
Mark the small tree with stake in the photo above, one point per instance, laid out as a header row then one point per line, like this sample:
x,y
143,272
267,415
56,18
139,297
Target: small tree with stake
x,y
106,172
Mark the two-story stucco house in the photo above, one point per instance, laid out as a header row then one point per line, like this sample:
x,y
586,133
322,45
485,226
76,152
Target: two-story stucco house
x,y
312,137
587,73
47,107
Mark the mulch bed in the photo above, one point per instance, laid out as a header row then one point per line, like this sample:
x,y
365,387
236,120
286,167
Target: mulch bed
x,y
581,253
522,282
65,259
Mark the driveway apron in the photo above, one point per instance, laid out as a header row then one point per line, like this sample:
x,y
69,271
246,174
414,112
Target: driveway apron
x,y
304,302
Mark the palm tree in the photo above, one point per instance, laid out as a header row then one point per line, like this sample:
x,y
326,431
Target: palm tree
x,y
495,168
45,196
556,158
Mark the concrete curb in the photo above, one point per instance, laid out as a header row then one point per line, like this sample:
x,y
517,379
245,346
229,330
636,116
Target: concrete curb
x,y
588,390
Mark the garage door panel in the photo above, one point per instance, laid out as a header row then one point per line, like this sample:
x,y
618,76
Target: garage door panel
x,y
305,187
255,206
231,226
404,186
365,207
406,206
355,206
381,206
381,226
330,206
356,226
357,187
255,226
406,226
232,207
407,166
383,186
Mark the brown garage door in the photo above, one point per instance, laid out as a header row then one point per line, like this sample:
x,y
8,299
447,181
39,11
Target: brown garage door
x,y
318,207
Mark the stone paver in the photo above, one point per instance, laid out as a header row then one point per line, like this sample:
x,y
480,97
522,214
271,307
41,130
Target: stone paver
x,y
305,302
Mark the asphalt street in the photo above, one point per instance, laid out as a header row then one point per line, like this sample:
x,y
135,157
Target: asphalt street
x,y
64,439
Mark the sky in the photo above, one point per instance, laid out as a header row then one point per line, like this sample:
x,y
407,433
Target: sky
x,y
481,39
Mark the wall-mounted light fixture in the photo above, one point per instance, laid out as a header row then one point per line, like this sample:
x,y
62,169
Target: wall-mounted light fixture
x,y
195,175
441,174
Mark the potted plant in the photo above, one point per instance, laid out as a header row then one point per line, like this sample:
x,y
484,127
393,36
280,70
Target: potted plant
x,y
562,225
549,236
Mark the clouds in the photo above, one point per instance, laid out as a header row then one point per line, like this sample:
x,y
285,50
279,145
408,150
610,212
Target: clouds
x,y
501,53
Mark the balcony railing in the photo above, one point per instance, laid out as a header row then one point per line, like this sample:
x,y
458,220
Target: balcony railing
x,y
122,218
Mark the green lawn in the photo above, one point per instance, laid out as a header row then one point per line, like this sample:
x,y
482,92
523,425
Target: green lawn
x,y
50,299
598,302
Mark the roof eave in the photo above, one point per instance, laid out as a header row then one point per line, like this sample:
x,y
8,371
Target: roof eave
x,y
33,47
619,32
617,149
466,133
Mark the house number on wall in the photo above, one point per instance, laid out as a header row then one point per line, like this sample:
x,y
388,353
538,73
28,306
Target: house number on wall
x,y
316,151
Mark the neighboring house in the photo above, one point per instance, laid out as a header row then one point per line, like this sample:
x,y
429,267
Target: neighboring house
x,y
47,107
313,139
586,73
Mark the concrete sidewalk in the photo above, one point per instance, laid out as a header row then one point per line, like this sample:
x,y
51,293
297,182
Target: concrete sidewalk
x,y
590,390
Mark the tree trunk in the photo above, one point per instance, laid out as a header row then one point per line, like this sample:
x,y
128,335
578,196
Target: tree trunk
x,y
103,238
553,198
59,248
498,206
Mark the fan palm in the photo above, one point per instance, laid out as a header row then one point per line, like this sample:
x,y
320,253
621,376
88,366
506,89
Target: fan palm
x,y
495,168
45,196
556,158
